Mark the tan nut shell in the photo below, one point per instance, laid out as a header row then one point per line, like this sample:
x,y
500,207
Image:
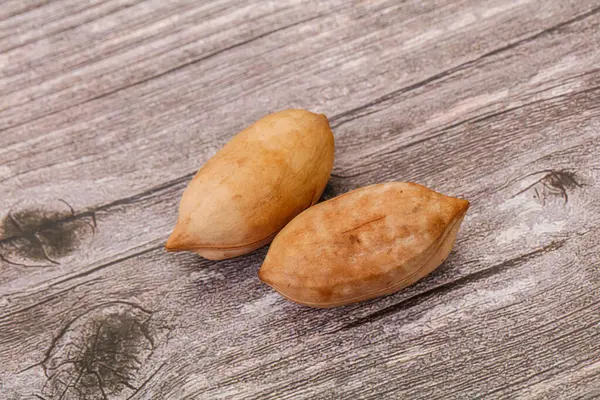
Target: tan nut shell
x,y
366,243
251,188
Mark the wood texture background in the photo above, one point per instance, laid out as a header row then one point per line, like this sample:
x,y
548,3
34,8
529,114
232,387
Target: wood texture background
x,y
107,109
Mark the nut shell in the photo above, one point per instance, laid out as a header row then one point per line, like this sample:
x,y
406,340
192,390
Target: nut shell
x,y
251,188
366,243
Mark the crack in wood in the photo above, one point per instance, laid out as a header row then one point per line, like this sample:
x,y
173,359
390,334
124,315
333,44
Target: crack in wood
x,y
448,72
160,75
25,10
146,381
71,28
54,296
107,264
450,286
475,119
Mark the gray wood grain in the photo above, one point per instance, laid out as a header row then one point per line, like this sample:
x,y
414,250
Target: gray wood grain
x,y
107,108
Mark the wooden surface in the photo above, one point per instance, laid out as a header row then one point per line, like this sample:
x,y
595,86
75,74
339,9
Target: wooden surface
x,y
107,108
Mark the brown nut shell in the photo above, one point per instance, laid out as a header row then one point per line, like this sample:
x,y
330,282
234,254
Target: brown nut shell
x,y
367,243
251,188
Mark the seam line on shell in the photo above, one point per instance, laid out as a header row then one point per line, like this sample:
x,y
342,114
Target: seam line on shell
x,y
253,243
227,248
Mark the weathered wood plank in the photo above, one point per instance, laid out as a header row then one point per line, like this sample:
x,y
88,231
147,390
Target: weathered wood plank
x,y
495,102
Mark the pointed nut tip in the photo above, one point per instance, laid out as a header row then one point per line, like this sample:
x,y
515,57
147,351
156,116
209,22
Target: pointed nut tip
x,y
173,242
